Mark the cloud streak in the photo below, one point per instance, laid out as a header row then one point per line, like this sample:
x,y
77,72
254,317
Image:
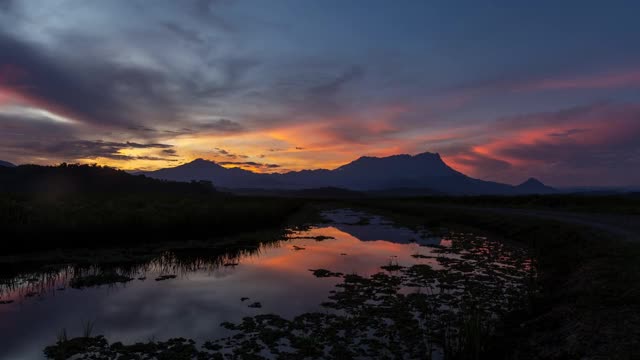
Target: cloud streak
x,y
583,145
251,164
169,83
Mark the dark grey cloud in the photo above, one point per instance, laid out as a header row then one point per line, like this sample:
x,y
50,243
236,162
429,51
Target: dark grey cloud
x,y
332,87
250,163
206,126
229,154
568,133
99,89
183,32
221,125
6,5
537,119
153,158
87,149
134,145
91,89
206,11
358,132
327,97
233,70
169,152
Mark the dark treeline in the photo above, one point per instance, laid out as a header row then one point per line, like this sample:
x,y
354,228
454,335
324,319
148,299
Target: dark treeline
x,y
92,206
64,179
624,203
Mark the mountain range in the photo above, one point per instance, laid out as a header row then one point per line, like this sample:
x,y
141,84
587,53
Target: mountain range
x,y
422,173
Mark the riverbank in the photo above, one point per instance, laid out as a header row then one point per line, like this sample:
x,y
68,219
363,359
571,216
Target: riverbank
x,y
588,304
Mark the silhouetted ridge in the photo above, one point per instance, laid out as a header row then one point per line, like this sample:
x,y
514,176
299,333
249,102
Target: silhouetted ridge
x,y
74,179
426,171
6,164
534,186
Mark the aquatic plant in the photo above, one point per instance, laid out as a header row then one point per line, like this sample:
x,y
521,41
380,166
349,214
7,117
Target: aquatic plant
x,y
87,328
450,306
325,273
104,278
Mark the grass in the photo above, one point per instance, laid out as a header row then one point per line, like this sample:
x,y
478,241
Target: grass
x,y
369,316
82,206
588,303
105,278
98,221
87,328
589,299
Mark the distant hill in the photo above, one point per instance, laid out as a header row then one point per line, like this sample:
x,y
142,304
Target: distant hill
x,y
534,186
426,172
200,169
6,164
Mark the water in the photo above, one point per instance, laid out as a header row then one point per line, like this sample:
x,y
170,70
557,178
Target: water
x,y
208,291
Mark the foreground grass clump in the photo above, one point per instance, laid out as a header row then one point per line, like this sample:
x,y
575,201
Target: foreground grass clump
x,y
105,278
97,348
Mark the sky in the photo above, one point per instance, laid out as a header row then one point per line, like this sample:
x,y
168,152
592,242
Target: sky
x,y
503,90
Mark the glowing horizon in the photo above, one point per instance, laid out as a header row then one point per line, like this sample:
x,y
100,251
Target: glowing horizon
x,y
268,90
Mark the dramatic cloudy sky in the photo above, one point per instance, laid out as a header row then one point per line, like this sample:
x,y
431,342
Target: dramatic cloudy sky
x,y
503,90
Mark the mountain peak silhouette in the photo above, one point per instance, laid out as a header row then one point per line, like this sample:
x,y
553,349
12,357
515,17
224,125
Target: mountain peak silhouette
x,y
200,162
534,186
424,171
6,164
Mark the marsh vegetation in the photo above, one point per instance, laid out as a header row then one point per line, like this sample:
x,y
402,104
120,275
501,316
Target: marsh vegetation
x,y
350,284
454,294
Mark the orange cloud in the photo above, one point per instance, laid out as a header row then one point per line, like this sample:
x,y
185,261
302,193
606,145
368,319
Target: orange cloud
x,y
551,143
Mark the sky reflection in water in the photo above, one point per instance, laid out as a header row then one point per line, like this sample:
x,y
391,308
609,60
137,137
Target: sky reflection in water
x,y
194,303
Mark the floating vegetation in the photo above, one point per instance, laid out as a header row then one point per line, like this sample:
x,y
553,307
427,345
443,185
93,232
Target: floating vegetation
x,y
417,311
98,348
232,264
321,273
104,278
165,277
408,309
392,266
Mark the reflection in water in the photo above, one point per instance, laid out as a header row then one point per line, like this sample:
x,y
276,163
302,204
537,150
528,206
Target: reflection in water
x,y
187,294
